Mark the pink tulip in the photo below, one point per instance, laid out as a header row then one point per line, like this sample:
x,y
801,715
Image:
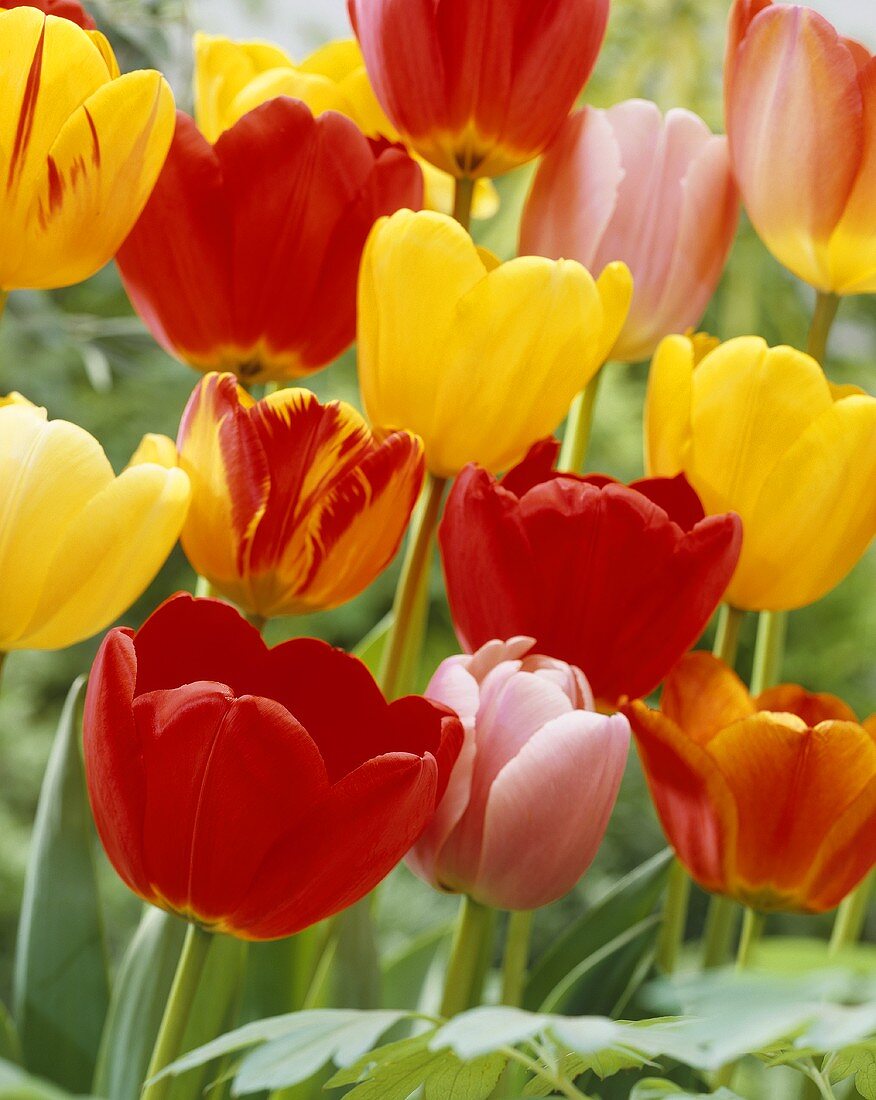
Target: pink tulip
x,y
532,791
628,184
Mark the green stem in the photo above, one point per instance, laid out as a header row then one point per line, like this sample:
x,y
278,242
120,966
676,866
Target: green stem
x,y
4,298
405,640
579,426
463,199
176,1014
674,918
516,959
469,957
852,916
726,644
769,650
752,929
826,306
2,663
718,935
258,621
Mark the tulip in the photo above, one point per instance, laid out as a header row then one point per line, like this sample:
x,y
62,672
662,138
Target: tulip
x,y
762,432
63,9
478,87
80,149
254,791
479,358
232,78
800,103
532,791
296,506
772,800
619,580
627,184
246,256
78,544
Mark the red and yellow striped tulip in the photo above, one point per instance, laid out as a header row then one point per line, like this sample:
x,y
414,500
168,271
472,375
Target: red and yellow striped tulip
x,y
296,506
801,118
80,149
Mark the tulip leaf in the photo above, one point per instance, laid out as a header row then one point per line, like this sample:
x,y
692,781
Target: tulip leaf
x,y
355,973
371,649
61,981
139,996
407,974
17,1084
626,905
10,1044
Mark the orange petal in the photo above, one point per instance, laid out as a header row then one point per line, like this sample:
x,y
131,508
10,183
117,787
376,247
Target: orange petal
x,y
702,696
812,708
847,855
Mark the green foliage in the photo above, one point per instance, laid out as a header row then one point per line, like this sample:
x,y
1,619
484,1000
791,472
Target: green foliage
x,y
16,1084
654,1089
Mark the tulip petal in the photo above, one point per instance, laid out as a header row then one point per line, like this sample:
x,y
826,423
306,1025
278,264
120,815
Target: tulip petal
x,y
668,407
356,835
815,514
847,854
812,708
702,696
548,809
222,69
795,126
110,552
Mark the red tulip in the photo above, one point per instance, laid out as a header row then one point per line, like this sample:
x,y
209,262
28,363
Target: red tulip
x,y
254,790
63,9
247,254
619,580
478,86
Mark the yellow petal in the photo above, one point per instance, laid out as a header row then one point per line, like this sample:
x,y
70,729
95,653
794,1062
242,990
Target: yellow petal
x,y
815,514
15,398
318,92
668,407
106,52
337,60
615,286
223,68
110,553
49,471
160,450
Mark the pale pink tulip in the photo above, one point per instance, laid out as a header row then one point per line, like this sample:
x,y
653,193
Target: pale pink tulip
x,y
657,193
532,791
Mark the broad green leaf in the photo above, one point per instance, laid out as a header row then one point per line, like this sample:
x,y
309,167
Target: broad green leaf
x,y
406,973
858,1062
451,1079
484,1030
140,993
385,1055
356,979
10,1045
371,649
656,1089
17,1084
626,905
61,981
395,1080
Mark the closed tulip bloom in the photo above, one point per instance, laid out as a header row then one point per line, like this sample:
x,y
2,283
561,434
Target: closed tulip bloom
x,y
80,148
78,544
762,432
619,580
532,791
296,506
253,791
246,256
772,800
63,9
628,184
800,102
479,358
478,87
232,78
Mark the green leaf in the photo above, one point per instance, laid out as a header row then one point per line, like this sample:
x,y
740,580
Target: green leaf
x,y
656,1089
858,1062
627,904
61,982
484,1030
139,996
371,649
356,978
17,1084
451,1079
10,1045
406,974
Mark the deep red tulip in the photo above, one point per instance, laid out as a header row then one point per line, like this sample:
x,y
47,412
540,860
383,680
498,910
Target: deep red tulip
x,y
254,790
619,580
63,9
247,254
478,86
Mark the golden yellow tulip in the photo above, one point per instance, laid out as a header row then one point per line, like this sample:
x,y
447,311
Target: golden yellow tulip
x,y
80,149
480,359
761,431
233,78
77,544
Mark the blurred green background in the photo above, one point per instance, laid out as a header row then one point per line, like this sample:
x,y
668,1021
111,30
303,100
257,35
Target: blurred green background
x,y
84,355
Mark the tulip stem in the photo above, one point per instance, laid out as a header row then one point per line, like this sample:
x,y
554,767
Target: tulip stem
x,y
727,636
720,923
578,427
406,633
463,199
4,298
516,959
674,918
769,650
826,306
176,1014
469,957
851,916
752,929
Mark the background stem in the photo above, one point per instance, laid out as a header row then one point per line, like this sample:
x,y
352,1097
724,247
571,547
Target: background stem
x,y
463,197
826,306
674,918
851,916
579,426
769,650
469,957
752,929
718,935
516,960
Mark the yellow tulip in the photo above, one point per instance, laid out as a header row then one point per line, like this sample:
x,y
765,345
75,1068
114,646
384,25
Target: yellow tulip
x,y
233,78
77,544
761,431
480,359
80,149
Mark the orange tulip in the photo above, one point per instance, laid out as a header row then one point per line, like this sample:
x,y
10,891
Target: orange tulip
x,y
771,800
